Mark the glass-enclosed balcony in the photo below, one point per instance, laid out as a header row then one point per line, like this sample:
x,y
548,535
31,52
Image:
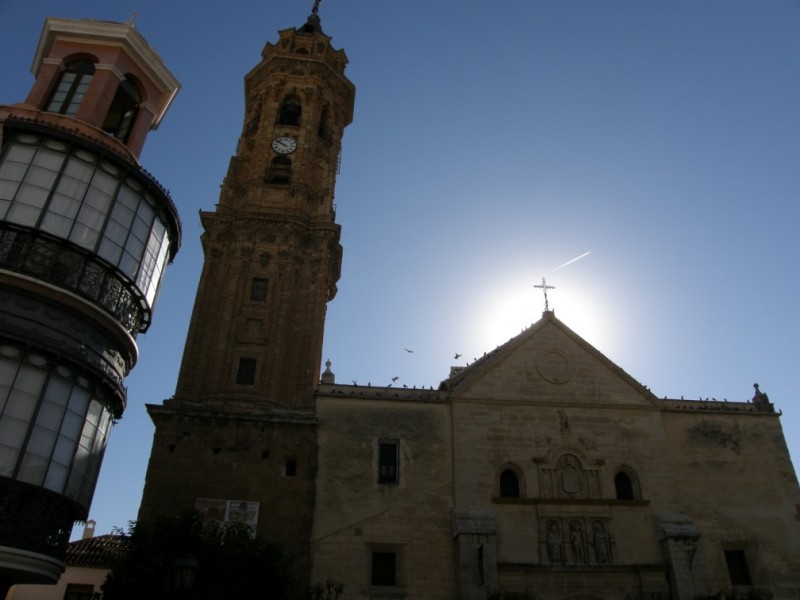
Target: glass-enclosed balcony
x,y
77,217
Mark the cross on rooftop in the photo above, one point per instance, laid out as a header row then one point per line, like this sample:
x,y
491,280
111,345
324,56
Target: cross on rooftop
x,y
544,287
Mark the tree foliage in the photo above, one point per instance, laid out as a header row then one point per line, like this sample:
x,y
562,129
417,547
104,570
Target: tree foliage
x,y
232,563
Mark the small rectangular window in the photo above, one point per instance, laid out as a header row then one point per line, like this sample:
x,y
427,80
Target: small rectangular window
x,y
258,292
80,591
246,374
738,571
481,566
388,465
291,467
384,565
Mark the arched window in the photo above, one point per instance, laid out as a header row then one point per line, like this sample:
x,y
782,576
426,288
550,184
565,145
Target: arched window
x,y
290,112
123,110
624,486
509,484
280,171
71,88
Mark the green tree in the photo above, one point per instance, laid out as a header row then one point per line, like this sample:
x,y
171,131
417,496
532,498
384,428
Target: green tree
x,y
232,564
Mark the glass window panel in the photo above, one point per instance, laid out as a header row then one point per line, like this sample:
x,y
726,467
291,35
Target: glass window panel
x,y
64,450
128,265
104,182
20,405
79,400
62,205
7,191
13,171
41,177
146,213
79,170
25,214
58,390
21,153
50,416
98,200
56,477
91,217
140,229
74,485
31,195
116,233
8,371
8,460
73,190
128,199
94,413
72,425
29,380
56,225
32,469
110,251
41,442
122,215
84,236
48,159
135,247
13,432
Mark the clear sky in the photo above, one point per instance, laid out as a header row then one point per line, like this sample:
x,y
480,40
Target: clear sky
x,y
494,141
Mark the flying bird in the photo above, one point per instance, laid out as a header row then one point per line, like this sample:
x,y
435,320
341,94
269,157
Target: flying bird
x,y
457,356
395,378
409,351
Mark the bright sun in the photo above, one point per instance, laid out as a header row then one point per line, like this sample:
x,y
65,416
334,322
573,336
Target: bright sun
x,y
506,311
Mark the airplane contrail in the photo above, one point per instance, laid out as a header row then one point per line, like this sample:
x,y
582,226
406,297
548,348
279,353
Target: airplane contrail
x,y
569,262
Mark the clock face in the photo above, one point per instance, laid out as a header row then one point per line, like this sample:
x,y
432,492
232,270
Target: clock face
x,y
284,145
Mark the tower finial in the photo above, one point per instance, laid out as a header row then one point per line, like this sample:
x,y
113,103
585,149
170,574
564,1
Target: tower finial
x,y
313,24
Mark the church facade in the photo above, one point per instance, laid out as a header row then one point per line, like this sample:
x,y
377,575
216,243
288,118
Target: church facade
x,y
542,469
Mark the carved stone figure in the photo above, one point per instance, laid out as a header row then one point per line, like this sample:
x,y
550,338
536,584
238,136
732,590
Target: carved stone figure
x,y
563,419
600,541
570,475
760,397
554,542
576,543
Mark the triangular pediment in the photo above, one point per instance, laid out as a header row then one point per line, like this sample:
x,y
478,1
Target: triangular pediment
x,y
548,363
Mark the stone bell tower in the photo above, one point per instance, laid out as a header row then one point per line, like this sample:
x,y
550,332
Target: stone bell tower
x,y
237,440
272,253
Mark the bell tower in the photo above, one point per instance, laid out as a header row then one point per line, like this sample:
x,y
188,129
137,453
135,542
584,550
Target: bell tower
x,y
238,439
272,253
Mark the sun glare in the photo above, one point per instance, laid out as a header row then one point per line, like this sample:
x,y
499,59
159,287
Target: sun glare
x,y
508,310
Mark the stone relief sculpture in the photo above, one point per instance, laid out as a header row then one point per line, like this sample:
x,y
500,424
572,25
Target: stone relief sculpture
x,y
600,543
570,476
576,543
554,542
568,479
563,420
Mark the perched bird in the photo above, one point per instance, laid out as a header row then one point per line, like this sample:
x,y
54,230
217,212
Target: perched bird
x,y
354,382
457,356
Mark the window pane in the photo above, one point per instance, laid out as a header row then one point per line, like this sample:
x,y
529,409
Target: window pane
x,y
56,477
383,568
387,467
32,469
